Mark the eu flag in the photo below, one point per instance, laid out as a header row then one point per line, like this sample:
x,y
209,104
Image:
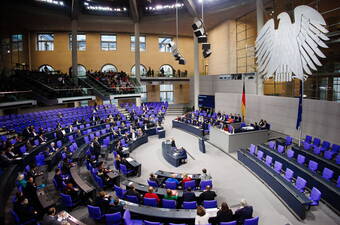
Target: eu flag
x,y
299,115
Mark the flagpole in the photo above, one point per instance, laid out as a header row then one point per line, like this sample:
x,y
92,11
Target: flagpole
x,y
301,123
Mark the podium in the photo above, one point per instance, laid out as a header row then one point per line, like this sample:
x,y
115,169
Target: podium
x,y
201,145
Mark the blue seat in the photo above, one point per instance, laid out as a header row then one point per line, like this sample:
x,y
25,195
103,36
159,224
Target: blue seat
x,y
132,198
94,212
205,183
190,205
300,184
150,202
269,160
40,160
210,204
290,153
252,221
171,185
312,165
120,192
170,204
152,183
98,180
289,140
18,221
191,184
146,222
301,159
113,219
125,171
67,201
327,173
280,148
228,223
328,155
259,155
252,149
315,196
289,174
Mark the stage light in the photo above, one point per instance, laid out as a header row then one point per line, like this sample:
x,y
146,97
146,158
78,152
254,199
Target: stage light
x,y
181,61
197,24
203,39
206,54
199,32
206,46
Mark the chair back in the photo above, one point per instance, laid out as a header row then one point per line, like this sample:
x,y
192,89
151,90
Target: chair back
x,y
15,216
120,192
328,155
289,174
152,183
327,173
210,204
99,181
171,185
252,221
113,219
205,183
317,150
307,146
316,141
259,155
269,160
312,165
151,223
300,184
190,205
228,223
272,144
280,148
170,204
252,149
301,159
150,202
315,196
308,139
66,200
94,212
132,198
277,167
123,169
289,140
290,153
191,184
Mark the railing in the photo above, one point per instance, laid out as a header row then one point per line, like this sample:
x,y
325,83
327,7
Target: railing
x,y
12,96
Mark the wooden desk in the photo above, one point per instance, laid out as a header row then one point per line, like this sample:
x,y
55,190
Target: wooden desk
x,y
83,185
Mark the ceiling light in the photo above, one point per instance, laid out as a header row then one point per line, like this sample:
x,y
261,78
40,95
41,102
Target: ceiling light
x,y
54,2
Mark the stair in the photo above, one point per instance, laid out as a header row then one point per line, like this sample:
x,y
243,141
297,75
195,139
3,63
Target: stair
x,y
175,110
99,90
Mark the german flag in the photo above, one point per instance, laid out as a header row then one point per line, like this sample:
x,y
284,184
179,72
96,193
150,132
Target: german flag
x,y
243,104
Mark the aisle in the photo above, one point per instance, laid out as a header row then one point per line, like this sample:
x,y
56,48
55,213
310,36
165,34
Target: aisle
x,y
231,180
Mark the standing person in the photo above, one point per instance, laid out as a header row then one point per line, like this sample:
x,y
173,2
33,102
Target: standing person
x,y
205,175
201,216
96,147
245,212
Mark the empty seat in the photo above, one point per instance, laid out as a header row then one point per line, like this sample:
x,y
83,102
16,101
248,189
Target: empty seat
x,y
289,140
259,155
252,149
280,148
300,184
269,160
277,167
315,196
146,222
325,145
272,144
113,219
190,205
301,159
328,155
289,174
290,153
316,142
210,204
317,150
308,139
252,221
327,173
307,146
170,204
312,165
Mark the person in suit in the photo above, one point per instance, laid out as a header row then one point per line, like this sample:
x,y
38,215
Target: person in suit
x,y
30,191
4,160
53,148
131,191
50,218
103,202
26,132
223,215
96,147
116,207
25,211
188,195
60,134
72,191
42,139
207,194
173,143
245,212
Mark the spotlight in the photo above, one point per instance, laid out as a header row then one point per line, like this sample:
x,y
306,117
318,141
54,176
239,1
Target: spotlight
x,y
203,39
206,46
197,24
199,32
181,61
206,54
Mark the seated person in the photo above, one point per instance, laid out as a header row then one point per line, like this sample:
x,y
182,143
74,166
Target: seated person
x,y
186,178
21,181
171,195
102,172
188,195
207,195
201,216
131,191
152,177
223,215
50,218
72,191
116,207
59,178
103,202
245,212
25,211
53,148
172,179
181,152
150,194
34,171
66,166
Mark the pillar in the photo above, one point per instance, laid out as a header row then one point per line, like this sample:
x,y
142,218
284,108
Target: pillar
x,y
74,49
137,52
259,19
196,73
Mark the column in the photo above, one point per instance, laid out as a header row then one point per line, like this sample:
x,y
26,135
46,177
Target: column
x,y
196,73
137,52
259,18
74,49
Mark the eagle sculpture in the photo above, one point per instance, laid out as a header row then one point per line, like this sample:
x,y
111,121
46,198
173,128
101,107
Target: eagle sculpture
x,y
291,50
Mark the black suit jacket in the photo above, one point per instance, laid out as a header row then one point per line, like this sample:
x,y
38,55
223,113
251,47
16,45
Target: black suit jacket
x,y
189,197
207,195
243,213
96,148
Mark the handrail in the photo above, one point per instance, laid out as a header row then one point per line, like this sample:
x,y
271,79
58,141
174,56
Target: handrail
x,y
14,92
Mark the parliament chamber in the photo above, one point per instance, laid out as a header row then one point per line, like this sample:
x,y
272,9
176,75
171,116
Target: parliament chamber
x,y
165,112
